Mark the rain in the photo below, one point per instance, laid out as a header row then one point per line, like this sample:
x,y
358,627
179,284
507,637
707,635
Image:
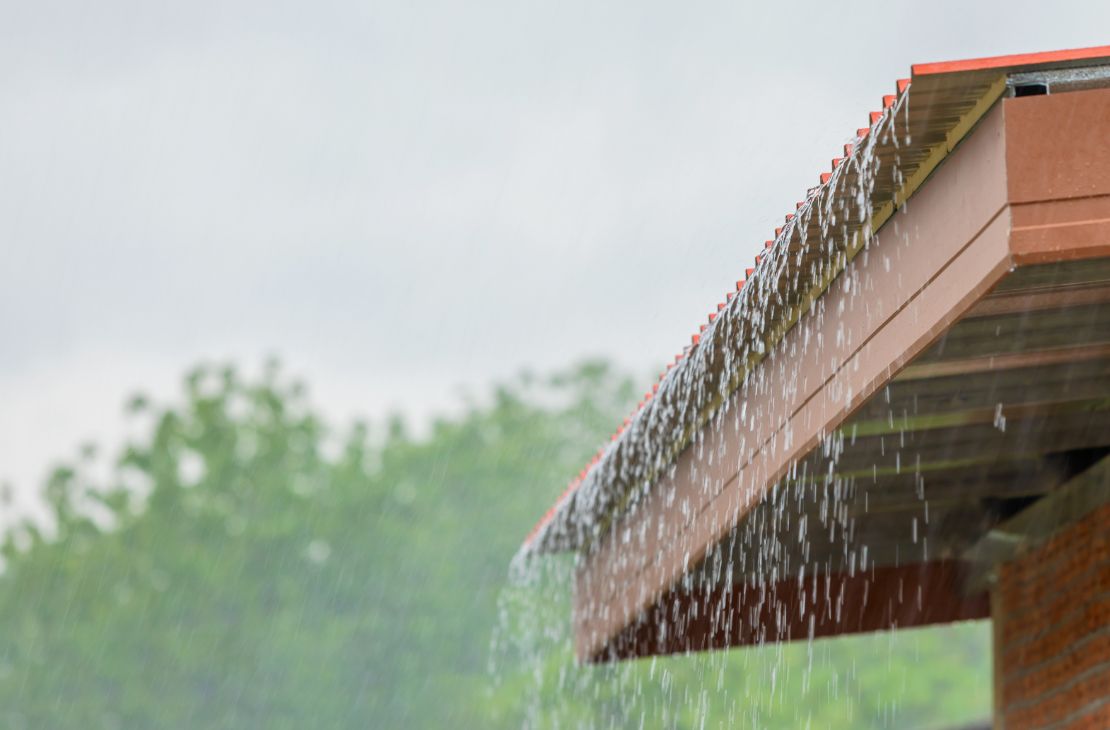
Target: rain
x,y
564,365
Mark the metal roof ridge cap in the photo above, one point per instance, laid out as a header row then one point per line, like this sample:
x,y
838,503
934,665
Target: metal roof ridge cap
x,y
988,63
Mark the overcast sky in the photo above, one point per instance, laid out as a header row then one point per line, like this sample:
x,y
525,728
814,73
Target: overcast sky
x,y
402,198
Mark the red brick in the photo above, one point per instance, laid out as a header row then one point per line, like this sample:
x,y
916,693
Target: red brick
x,y
1054,630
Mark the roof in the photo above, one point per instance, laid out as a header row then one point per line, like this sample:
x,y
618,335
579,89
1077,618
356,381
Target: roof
x,y
918,126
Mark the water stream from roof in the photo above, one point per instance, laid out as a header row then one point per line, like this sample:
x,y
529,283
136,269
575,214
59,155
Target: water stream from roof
x,y
801,529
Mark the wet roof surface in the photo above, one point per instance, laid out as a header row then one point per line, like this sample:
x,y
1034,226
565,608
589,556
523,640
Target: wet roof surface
x,y
918,125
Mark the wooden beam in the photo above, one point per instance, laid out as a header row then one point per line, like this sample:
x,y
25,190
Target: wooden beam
x,y
1087,379
1025,302
975,444
789,610
1052,275
975,416
1007,361
1037,523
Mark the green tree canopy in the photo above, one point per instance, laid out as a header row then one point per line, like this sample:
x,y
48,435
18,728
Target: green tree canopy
x,y
248,565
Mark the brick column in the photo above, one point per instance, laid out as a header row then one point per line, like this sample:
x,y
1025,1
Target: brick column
x,y
1052,630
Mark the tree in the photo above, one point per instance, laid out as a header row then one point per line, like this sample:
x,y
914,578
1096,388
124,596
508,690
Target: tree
x,y
248,565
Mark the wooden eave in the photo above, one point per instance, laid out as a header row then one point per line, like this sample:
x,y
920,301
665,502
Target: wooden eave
x,y
900,148
963,374
897,374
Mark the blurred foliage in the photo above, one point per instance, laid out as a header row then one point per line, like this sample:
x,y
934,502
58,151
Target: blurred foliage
x,y
247,566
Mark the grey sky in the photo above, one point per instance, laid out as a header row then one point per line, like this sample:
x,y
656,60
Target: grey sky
x,y
402,198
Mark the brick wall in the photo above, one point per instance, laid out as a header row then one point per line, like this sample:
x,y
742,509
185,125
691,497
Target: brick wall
x,y
1052,631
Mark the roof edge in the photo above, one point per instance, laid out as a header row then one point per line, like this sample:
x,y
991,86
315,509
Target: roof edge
x,y
983,69
1008,62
